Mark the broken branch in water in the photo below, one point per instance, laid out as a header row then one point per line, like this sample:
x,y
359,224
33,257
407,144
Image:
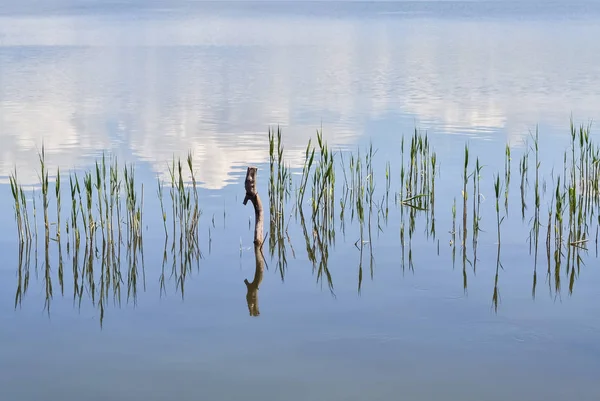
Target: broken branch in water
x,y
252,196
252,287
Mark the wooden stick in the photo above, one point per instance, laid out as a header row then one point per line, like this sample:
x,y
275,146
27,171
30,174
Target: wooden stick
x,y
252,287
252,196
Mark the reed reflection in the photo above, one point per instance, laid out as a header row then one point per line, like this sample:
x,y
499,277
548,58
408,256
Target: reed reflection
x,y
102,230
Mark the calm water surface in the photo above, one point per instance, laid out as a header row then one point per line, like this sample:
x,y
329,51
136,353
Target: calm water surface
x,y
146,81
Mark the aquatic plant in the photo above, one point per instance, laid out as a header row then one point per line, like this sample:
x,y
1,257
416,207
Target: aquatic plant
x,y
110,198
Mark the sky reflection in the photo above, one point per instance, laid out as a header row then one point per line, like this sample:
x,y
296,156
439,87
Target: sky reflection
x,y
147,86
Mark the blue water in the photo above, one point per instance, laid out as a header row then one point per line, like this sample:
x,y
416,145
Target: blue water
x,y
144,81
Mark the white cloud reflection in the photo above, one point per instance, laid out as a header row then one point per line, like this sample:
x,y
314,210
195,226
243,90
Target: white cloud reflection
x,y
164,84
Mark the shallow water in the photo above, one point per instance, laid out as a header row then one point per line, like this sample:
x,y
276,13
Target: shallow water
x,y
146,81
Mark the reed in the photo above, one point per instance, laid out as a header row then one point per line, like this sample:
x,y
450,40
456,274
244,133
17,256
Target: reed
x,y
388,184
25,217
523,169
453,232
73,186
194,211
35,229
497,191
323,189
465,196
507,159
476,177
99,189
91,225
44,185
309,157
115,201
279,191
572,201
15,190
537,196
432,193
58,207
162,207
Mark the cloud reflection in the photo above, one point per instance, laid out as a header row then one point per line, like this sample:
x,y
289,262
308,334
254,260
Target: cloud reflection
x,y
162,84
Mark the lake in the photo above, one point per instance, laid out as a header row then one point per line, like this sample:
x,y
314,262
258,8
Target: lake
x,y
442,242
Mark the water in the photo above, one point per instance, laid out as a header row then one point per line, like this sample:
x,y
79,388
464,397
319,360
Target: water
x,y
145,81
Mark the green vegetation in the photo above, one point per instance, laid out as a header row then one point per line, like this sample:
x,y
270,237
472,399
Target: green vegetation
x,y
106,213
